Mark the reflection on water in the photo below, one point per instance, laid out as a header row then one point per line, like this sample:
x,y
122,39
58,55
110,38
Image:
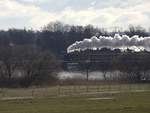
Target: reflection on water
x,y
96,75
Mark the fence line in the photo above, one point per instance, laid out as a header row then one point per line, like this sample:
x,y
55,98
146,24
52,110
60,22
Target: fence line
x,y
73,90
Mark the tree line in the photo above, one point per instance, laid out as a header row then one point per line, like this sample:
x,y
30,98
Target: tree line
x,y
57,36
29,57
25,65
130,66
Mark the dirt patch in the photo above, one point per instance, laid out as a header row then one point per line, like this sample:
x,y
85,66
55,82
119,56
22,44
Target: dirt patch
x,y
17,98
140,91
101,98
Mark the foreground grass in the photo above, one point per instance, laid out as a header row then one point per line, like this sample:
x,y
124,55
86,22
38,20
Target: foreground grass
x,y
121,103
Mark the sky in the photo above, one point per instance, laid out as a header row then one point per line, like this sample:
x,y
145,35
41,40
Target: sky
x,y
34,14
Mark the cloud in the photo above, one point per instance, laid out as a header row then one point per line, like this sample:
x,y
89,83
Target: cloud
x,y
109,13
11,9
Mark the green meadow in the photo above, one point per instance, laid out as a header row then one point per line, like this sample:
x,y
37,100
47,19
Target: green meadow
x,y
77,99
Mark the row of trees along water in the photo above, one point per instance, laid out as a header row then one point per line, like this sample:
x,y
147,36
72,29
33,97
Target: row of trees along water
x,y
130,66
34,56
25,65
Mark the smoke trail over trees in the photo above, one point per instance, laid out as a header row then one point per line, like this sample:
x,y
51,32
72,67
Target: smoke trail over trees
x,y
123,42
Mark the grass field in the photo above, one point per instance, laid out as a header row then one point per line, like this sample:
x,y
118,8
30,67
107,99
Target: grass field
x,y
102,99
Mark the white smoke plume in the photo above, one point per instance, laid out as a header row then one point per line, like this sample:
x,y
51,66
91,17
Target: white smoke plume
x,y
123,42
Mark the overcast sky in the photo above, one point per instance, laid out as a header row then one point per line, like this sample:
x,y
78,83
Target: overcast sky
x,y
102,13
